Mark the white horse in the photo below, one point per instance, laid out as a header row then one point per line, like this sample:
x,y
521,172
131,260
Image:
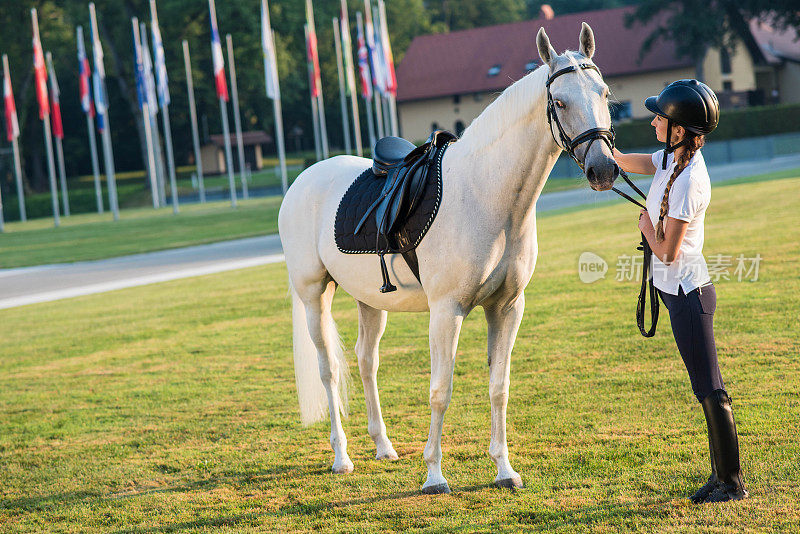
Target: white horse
x,y
480,251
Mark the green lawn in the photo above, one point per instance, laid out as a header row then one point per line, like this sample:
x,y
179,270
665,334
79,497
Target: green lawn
x,y
171,408
93,236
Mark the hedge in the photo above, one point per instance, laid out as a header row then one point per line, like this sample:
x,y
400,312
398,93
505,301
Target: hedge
x,y
733,124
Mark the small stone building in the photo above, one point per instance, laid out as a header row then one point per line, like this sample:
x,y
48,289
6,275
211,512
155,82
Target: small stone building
x,y
213,153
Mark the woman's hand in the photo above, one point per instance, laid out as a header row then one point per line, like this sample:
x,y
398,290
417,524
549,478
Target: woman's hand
x,y
645,224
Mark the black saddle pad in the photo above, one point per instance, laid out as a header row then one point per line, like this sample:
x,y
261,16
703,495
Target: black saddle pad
x,y
361,195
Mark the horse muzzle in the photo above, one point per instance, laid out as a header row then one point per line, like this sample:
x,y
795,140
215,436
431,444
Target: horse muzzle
x,y
601,174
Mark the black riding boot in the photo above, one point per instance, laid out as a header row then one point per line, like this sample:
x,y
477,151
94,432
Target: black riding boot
x,y
701,494
724,444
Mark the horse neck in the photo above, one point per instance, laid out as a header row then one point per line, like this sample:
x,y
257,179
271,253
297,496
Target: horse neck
x,y
506,154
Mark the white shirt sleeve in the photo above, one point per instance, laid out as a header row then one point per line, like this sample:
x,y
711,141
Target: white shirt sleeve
x,y
656,157
685,198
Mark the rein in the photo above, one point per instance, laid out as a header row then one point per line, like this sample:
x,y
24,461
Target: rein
x,y
647,254
607,135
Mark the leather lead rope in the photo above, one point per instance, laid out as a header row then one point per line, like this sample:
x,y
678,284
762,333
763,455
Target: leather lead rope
x,y
647,254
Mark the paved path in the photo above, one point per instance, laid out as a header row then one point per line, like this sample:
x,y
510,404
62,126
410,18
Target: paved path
x,y
29,285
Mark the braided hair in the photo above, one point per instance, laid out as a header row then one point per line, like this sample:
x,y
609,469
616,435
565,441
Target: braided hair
x,y
693,144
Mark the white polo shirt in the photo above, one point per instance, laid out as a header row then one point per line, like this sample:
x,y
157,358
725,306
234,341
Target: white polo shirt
x,y
688,199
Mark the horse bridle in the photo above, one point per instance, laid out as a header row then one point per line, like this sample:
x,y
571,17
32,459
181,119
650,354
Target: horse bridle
x,y
591,135
607,135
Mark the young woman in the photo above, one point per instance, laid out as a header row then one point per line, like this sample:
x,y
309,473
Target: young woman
x,y
685,111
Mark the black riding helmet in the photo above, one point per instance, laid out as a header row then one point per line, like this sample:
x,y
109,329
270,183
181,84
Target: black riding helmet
x,y
688,103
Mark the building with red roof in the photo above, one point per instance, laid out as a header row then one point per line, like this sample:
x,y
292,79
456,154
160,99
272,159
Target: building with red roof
x,y
446,80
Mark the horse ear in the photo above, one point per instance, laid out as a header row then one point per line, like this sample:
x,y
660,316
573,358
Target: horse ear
x,y
546,50
587,41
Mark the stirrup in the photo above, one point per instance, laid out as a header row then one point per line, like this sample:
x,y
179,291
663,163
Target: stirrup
x,y
387,285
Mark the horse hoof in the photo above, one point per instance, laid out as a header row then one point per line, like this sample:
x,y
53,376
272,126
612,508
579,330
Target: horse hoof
x,y
344,468
391,454
512,483
436,489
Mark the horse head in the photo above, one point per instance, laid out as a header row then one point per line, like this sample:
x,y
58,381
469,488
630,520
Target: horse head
x,y
578,108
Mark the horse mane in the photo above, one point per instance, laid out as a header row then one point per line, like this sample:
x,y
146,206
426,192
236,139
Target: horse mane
x,y
513,104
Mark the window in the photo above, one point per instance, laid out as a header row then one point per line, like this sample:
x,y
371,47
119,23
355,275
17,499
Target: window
x,y
620,110
531,66
434,126
494,70
478,97
456,99
724,60
459,128
727,85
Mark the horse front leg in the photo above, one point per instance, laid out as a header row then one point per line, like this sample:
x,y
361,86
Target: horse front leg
x,y
445,326
503,323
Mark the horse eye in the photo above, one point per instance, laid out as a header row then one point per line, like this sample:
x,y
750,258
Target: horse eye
x,y
560,104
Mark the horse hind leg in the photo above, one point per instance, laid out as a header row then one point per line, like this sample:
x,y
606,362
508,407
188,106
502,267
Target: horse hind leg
x,y
316,298
371,325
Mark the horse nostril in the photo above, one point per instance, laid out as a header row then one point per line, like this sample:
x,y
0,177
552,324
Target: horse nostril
x,y
590,174
616,170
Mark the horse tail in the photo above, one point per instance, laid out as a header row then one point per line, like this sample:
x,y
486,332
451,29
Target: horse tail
x,y
311,393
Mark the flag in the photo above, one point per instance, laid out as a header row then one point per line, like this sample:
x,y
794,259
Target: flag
x,y
363,65
216,55
162,81
372,48
55,93
268,48
347,50
388,59
84,75
12,124
149,81
313,56
40,76
139,69
98,81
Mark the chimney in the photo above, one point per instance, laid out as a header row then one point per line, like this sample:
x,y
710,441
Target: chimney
x,y
546,12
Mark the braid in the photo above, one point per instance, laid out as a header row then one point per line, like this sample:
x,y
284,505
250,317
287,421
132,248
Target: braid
x,y
694,144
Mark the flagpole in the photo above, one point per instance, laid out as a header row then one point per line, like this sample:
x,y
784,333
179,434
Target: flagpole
x,y
342,100
317,140
226,132
173,185
193,117
48,142
222,94
145,108
323,128
367,99
23,216
271,73
314,111
347,54
163,96
152,108
59,145
2,227
106,133
387,50
98,190
237,119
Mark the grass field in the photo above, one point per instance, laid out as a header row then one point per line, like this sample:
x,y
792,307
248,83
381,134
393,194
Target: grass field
x,y
93,236
172,408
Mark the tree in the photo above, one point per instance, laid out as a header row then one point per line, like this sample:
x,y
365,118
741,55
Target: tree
x,y
695,25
